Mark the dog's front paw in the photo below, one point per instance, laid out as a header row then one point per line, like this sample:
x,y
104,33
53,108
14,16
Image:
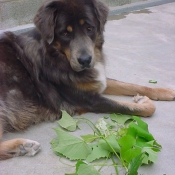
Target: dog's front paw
x,y
141,99
28,148
164,94
169,94
146,106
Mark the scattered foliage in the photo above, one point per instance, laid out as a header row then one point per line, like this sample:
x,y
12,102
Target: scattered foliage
x,y
124,139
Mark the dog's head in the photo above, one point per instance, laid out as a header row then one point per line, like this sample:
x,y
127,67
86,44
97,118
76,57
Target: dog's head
x,y
75,28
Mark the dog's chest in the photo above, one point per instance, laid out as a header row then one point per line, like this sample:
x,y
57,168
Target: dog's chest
x,y
98,83
101,76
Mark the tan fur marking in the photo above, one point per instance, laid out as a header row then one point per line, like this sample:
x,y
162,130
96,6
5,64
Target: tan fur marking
x,y
98,41
120,88
82,111
91,86
69,29
97,54
67,53
57,46
82,21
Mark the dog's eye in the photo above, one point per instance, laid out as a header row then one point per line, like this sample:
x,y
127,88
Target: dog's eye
x,y
89,29
65,33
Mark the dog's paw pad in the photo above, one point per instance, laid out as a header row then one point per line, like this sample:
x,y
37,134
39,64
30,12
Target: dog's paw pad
x,y
29,148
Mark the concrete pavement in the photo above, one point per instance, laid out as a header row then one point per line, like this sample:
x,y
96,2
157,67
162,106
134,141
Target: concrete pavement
x,y
139,46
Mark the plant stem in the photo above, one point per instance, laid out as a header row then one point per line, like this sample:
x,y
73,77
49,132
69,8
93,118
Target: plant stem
x,y
95,130
116,169
104,163
60,159
116,154
111,147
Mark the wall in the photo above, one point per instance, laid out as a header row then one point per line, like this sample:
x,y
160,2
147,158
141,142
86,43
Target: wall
x,y
20,12
17,12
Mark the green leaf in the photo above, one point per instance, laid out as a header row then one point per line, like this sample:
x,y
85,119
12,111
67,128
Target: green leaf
x,y
67,122
54,143
141,142
157,145
120,118
126,142
106,117
70,146
80,162
141,123
122,132
134,165
97,153
85,169
145,159
153,81
101,125
152,155
128,149
89,138
111,125
136,130
110,144
129,154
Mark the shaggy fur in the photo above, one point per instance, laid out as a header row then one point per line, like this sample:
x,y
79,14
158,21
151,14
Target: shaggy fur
x,y
59,65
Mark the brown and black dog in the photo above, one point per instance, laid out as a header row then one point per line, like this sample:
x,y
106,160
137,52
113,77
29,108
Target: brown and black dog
x,y
59,65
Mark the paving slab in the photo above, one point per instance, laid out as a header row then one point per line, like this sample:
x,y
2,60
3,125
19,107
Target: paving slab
x,y
139,46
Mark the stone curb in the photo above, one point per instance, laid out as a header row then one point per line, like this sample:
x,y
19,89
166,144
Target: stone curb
x,y
137,6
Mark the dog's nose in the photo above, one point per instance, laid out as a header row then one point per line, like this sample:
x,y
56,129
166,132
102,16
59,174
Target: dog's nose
x,y
85,60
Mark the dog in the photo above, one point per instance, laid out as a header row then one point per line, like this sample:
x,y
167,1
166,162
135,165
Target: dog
x,y
59,65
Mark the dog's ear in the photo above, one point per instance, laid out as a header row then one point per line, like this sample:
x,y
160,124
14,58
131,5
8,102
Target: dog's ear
x,y
45,19
101,11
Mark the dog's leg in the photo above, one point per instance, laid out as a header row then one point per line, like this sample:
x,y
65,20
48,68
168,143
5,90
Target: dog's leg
x,y
119,88
85,101
17,147
142,106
